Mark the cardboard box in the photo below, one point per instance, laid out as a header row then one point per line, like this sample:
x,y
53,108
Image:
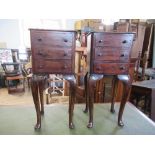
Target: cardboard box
x,y
96,26
85,23
90,24
78,25
95,20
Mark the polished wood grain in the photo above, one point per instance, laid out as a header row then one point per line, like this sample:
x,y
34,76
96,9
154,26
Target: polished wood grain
x,y
109,54
53,52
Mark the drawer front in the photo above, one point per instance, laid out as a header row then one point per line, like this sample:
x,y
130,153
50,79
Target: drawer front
x,y
113,40
52,53
111,54
54,67
52,38
110,68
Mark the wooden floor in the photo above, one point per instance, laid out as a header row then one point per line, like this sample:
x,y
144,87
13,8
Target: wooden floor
x,y
20,120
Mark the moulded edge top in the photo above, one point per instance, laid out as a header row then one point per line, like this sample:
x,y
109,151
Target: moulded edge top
x,y
52,30
111,32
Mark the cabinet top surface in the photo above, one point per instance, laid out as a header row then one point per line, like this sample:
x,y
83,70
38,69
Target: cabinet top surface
x,y
146,83
113,32
52,30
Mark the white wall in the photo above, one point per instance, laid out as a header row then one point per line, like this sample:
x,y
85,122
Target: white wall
x,y
10,33
16,35
70,23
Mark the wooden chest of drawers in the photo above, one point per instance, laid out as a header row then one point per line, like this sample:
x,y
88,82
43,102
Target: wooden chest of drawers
x,y
53,51
110,53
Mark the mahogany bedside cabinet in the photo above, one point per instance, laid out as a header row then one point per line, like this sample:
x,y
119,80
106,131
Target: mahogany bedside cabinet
x,y
53,52
108,54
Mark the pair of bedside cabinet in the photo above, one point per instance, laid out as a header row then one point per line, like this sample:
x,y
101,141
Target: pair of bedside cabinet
x,y
53,52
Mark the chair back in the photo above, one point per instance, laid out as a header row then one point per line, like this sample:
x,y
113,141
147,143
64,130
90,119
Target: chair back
x,y
12,69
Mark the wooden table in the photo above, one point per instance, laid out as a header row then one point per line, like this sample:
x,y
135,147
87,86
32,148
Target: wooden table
x,y
146,88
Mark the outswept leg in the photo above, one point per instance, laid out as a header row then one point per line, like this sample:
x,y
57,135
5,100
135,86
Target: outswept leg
x,y
41,89
86,92
37,85
114,90
125,79
92,79
72,81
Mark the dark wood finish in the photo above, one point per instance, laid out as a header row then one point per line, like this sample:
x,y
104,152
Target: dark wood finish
x,y
109,54
53,52
139,29
37,87
146,55
132,77
15,89
144,88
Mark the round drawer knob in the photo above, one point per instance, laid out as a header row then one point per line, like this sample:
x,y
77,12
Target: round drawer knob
x,y
124,41
65,40
65,67
121,67
98,68
122,55
99,54
100,41
39,39
40,66
40,53
65,54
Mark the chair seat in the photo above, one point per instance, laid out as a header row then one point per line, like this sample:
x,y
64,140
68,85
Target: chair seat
x,y
15,89
18,77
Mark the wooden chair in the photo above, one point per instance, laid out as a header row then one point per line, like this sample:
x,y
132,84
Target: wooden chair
x,y
14,77
56,85
142,96
27,73
145,70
